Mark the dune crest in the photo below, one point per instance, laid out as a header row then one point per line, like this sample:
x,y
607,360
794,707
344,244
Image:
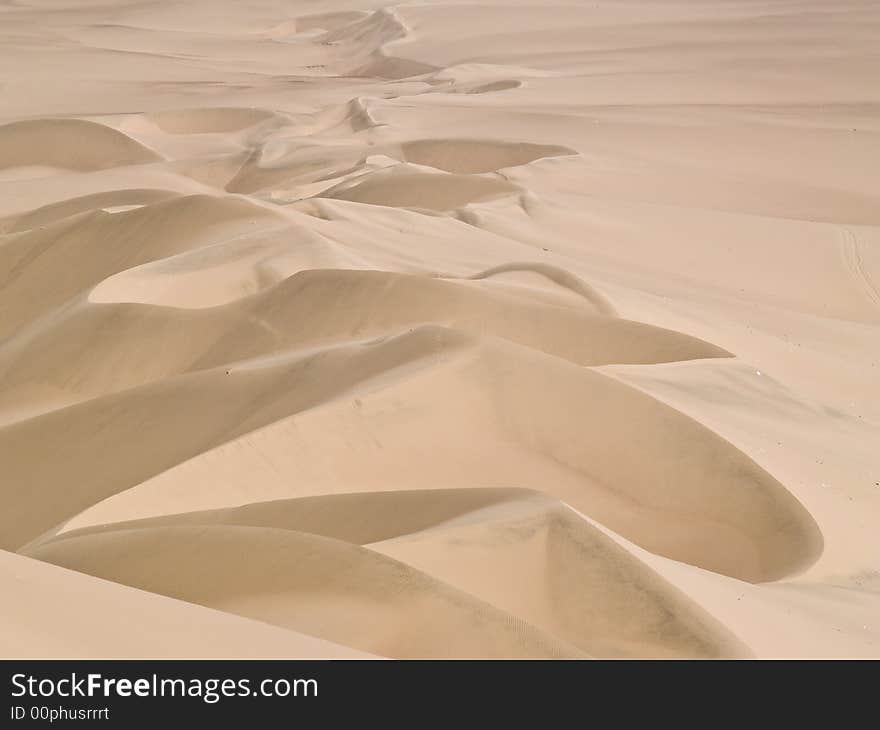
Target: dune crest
x,y
503,531
72,144
439,329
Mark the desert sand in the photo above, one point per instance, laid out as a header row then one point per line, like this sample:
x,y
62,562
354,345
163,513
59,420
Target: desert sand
x,y
441,329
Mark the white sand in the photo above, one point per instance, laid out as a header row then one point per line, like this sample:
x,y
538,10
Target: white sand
x,y
440,329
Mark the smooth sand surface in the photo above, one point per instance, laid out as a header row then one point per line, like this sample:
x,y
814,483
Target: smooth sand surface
x,y
49,612
440,329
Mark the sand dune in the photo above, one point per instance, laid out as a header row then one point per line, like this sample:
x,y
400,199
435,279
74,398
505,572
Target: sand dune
x,y
72,144
209,121
470,157
299,312
401,187
156,342
309,583
324,160
215,421
693,496
96,617
54,212
439,329
65,258
485,541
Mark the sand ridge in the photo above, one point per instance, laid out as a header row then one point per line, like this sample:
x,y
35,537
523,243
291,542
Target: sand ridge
x,y
440,329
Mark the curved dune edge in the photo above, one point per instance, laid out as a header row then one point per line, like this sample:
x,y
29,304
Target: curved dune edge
x,y
694,497
73,144
421,309
322,586
487,542
215,120
217,420
557,276
71,255
475,156
297,164
96,616
55,212
400,187
311,308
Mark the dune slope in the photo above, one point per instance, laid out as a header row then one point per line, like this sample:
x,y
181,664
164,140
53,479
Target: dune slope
x,y
440,329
